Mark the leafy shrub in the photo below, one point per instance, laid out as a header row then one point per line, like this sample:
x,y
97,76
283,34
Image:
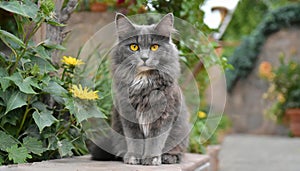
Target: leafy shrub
x,y
40,109
284,87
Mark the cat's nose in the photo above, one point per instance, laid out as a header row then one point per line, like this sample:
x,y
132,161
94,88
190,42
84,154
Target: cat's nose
x,y
144,58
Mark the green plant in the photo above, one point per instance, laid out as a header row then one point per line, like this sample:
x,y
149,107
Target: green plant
x,y
40,109
244,57
201,134
284,89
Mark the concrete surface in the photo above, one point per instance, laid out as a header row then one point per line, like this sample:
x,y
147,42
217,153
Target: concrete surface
x,y
190,162
259,153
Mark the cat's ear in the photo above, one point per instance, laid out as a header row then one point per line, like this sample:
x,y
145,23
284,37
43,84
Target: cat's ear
x,y
165,26
123,25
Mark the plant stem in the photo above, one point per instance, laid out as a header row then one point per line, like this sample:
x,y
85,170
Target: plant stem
x,y
23,120
63,74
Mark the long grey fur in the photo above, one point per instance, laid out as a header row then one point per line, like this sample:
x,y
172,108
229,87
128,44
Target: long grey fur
x,y
149,109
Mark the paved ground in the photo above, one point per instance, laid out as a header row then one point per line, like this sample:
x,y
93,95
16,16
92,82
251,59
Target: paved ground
x,y
259,153
190,162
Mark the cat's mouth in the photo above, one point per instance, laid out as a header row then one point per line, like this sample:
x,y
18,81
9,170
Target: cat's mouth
x,y
144,68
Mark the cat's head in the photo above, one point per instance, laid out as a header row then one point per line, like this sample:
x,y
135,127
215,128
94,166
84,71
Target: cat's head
x,y
141,48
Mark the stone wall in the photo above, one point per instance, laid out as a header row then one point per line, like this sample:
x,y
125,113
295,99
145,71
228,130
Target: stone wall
x,y
82,26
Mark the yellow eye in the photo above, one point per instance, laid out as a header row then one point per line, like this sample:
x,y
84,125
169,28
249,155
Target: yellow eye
x,y
134,47
154,47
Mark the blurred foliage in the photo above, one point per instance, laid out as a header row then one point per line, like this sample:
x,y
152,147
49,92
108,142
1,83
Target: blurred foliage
x,y
245,19
274,4
284,87
201,136
243,22
244,57
188,10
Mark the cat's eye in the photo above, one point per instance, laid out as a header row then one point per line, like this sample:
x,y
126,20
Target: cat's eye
x,y
134,47
154,47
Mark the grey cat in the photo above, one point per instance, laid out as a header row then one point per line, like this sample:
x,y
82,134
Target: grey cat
x,y
149,109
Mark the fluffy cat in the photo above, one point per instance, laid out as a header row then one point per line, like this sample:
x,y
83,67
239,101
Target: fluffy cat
x,y
149,109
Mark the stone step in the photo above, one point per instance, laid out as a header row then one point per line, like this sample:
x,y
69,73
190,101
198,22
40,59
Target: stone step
x,y
191,162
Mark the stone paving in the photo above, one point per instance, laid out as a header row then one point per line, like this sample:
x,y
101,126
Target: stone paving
x,y
259,153
190,162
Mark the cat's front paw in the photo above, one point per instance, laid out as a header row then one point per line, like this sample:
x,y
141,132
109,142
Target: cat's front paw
x,y
170,158
131,159
156,160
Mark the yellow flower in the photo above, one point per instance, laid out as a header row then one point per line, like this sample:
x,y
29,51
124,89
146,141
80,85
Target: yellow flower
x,y
69,60
84,94
281,98
265,70
293,66
201,115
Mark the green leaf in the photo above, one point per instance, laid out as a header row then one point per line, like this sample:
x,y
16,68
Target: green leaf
x,y
24,8
12,117
4,82
47,43
42,52
47,6
23,84
84,110
6,35
44,65
43,119
16,100
6,141
52,142
18,154
1,160
33,145
56,91
65,148
54,23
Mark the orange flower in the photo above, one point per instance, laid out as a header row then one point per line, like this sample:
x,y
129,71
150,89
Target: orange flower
x,y
265,70
281,98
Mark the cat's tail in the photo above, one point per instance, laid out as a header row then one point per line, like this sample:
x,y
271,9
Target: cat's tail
x,y
109,147
100,154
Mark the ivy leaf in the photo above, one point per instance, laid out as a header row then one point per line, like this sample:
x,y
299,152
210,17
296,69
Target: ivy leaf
x,y
16,100
12,117
56,91
24,8
83,110
52,142
6,141
4,82
23,84
44,65
18,154
6,35
43,119
65,148
33,145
